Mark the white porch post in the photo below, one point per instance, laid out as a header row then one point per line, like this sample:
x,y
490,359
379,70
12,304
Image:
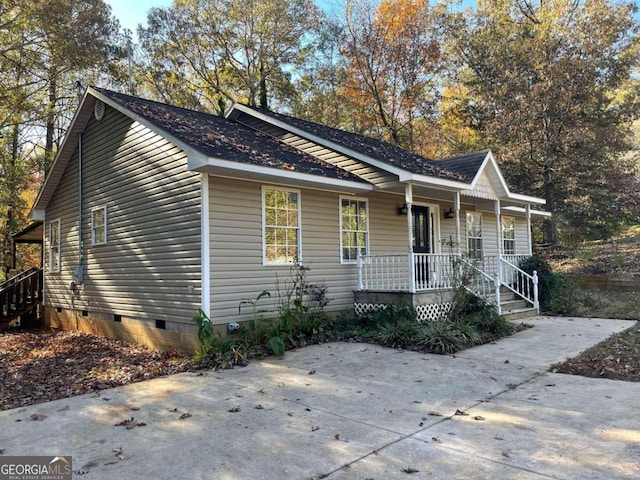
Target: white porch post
x,y
408,198
456,207
529,232
498,282
205,254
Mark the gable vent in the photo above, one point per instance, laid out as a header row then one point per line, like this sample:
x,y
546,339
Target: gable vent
x,y
98,110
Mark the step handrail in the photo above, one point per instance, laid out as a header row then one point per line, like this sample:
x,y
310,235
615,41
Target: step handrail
x,y
17,277
520,282
485,291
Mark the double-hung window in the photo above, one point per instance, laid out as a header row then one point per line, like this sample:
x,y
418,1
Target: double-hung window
x,y
54,246
354,228
508,235
99,226
474,235
281,225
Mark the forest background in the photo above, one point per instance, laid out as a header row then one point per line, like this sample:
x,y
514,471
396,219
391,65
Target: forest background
x,y
551,86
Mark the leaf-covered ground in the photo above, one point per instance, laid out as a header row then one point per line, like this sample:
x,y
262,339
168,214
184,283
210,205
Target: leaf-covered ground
x,y
617,358
37,366
618,256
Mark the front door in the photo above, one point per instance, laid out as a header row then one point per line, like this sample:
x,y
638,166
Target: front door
x,y
421,229
421,242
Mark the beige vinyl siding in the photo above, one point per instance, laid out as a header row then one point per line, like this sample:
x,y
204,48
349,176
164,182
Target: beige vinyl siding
x,y
522,238
150,266
237,271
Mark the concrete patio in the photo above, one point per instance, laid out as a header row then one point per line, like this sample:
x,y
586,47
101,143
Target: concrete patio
x,y
357,411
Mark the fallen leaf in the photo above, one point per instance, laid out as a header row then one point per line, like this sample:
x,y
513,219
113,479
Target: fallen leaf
x,y
410,470
478,417
184,415
130,423
119,453
460,412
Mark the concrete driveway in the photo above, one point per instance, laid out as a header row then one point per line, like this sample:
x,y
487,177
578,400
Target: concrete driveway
x,y
357,411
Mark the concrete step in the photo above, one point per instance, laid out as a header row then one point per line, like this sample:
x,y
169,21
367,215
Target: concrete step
x,y
519,314
514,304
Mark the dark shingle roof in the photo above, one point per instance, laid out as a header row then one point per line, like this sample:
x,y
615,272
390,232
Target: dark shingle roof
x,y
466,165
226,139
371,147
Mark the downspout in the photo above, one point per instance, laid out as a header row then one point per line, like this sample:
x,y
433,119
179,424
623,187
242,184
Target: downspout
x,y
79,271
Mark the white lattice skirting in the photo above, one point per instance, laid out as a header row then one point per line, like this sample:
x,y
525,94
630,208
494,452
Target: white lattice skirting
x,y
426,312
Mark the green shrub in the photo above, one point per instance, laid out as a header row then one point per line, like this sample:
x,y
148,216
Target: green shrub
x,y
441,336
555,291
399,333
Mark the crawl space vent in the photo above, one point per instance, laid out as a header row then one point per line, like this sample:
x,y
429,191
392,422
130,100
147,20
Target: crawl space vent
x,y
98,110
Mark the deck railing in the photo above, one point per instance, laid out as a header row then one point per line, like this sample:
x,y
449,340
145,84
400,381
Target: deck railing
x,y
20,295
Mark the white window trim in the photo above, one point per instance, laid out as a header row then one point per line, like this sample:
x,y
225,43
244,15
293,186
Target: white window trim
x,y
357,199
50,268
502,231
265,262
481,237
104,227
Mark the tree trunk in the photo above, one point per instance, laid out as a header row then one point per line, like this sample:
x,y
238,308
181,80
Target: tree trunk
x,y
50,128
263,89
549,224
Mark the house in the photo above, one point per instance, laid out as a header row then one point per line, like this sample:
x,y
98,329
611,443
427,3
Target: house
x,y
151,212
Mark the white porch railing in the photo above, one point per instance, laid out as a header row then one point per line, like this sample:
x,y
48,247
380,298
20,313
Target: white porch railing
x,y
419,272
391,272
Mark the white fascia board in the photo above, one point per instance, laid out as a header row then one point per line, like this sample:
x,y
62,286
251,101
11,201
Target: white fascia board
x,y
540,213
527,199
288,174
318,140
433,181
190,151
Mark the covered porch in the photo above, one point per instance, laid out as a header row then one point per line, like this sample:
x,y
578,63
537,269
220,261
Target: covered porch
x,y
475,236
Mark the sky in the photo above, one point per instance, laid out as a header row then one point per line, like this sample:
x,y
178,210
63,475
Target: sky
x,y
132,12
